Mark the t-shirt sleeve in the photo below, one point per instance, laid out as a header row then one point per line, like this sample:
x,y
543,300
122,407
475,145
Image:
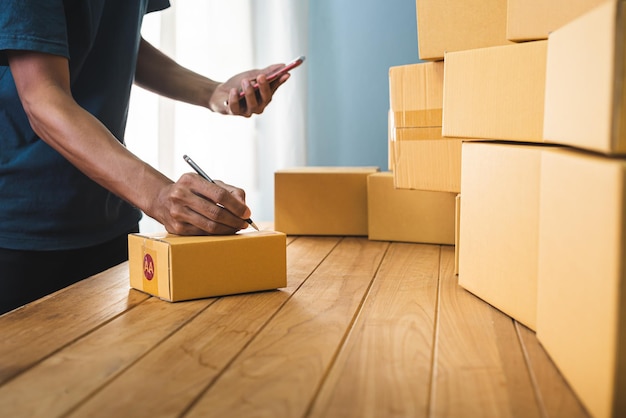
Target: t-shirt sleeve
x,y
32,25
156,5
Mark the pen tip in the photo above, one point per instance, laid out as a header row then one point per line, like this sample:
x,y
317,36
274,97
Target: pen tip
x,y
254,226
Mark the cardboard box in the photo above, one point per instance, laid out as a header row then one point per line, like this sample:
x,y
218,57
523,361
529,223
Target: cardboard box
x,y
453,25
416,95
584,104
390,151
496,93
433,165
457,232
408,215
498,242
581,310
529,20
321,200
176,268
423,159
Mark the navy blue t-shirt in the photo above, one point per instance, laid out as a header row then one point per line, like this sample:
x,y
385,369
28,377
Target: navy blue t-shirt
x,y
45,202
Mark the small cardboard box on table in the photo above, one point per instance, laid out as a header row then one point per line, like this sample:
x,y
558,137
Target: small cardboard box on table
x,y
531,20
499,227
581,309
422,159
408,215
321,200
176,268
496,93
585,105
456,25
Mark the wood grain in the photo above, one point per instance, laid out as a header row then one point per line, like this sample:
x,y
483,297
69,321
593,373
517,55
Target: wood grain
x,y
384,368
279,372
556,398
479,368
182,367
39,329
55,385
363,329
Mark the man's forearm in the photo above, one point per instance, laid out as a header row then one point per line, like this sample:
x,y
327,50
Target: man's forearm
x,y
159,73
43,84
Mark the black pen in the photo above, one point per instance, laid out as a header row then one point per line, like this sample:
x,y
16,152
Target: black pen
x,y
206,177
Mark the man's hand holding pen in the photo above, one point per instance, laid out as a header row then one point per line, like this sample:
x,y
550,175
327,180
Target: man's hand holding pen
x,y
194,206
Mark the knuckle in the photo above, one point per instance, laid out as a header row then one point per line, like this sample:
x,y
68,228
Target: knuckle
x,y
186,178
221,194
175,227
176,194
176,212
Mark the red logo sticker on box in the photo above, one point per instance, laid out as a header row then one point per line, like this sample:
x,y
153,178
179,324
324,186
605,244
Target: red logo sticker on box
x,y
150,280
148,267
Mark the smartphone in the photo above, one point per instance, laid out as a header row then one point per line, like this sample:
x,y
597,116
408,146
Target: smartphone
x,y
276,74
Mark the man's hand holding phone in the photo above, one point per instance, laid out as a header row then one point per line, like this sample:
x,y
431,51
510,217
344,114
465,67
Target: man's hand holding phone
x,y
274,75
249,92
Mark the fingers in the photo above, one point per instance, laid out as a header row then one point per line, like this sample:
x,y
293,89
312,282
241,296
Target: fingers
x,y
257,92
198,207
257,95
238,193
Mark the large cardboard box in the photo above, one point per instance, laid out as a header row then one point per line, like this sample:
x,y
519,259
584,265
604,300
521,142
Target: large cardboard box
x,y
422,159
408,215
416,95
456,25
425,164
495,93
529,20
176,268
585,95
321,200
581,309
390,151
457,232
498,239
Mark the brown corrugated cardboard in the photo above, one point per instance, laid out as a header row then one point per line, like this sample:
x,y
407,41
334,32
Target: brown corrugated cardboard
x,y
581,309
450,25
529,20
390,151
177,268
495,93
321,200
415,134
423,160
584,105
457,232
500,225
433,165
416,95
408,215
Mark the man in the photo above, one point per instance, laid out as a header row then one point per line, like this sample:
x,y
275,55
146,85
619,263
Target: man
x,y
70,191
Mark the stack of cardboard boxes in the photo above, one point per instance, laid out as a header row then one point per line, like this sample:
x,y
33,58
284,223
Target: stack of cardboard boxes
x,y
534,90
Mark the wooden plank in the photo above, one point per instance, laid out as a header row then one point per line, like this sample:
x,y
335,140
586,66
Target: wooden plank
x,y
479,368
184,365
58,383
33,332
384,368
279,372
556,398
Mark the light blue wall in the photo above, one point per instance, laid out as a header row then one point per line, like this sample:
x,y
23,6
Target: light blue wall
x,y
352,44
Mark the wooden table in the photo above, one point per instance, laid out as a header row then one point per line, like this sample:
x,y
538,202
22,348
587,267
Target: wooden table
x,y
363,329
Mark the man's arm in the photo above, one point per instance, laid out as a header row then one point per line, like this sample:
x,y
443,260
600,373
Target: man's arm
x,y
159,73
42,81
